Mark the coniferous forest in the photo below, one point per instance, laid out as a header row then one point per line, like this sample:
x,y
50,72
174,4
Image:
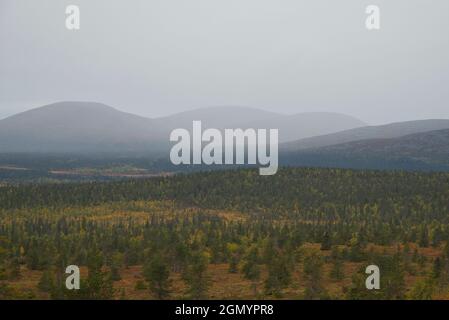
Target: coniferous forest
x,y
300,234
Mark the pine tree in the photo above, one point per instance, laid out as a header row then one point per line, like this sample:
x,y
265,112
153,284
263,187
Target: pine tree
x,y
336,272
195,275
116,265
46,282
157,273
99,285
326,243
232,249
312,269
251,268
279,275
233,264
437,266
393,280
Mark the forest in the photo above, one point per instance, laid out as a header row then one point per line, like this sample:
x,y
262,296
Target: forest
x,y
305,233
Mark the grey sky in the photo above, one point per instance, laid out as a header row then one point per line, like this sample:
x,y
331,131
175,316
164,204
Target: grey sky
x,y
156,57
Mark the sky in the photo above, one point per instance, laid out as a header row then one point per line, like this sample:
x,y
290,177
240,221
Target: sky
x,y
159,57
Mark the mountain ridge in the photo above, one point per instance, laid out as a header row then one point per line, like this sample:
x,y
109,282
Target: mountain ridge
x,y
73,126
418,151
386,131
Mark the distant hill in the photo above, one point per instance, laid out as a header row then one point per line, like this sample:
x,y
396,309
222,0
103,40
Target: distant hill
x,y
387,131
87,127
291,127
306,125
427,146
75,127
425,150
216,117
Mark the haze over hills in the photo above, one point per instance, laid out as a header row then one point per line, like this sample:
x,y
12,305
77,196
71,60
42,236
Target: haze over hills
x,y
75,127
424,150
307,124
424,145
290,127
219,117
387,131
88,127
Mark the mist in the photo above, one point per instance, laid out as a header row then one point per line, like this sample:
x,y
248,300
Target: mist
x,y
157,57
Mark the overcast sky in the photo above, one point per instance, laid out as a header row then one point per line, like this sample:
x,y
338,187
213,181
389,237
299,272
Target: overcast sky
x,y
157,57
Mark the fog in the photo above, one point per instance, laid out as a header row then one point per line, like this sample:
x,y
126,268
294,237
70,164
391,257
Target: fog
x,y
158,57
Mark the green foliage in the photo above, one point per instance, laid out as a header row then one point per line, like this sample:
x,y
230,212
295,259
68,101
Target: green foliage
x,y
313,274
279,274
157,274
337,272
14,269
422,290
195,275
392,282
110,226
326,243
140,285
251,268
46,282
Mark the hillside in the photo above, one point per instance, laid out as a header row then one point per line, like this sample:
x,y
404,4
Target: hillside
x,y
427,146
87,127
75,127
426,150
392,130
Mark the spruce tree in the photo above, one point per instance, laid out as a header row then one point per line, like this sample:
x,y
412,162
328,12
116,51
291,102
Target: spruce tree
x,y
195,275
251,268
157,273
